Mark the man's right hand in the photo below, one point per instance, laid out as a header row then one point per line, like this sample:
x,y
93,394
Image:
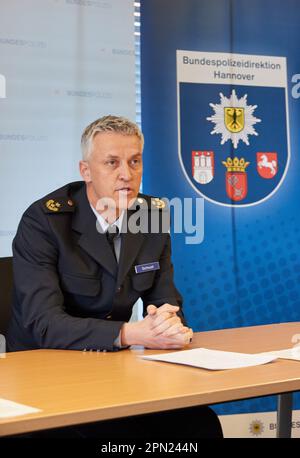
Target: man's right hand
x,y
160,329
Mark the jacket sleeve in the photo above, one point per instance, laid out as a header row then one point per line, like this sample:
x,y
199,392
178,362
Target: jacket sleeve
x,y
163,289
40,298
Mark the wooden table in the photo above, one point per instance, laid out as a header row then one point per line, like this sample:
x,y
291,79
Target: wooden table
x,y
72,387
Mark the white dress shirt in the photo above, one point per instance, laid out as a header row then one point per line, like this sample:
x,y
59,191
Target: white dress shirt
x,y
117,246
104,226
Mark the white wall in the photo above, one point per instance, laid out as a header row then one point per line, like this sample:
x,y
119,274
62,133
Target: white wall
x,y
65,63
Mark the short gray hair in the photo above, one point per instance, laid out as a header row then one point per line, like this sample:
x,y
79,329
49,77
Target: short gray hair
x,y
108,123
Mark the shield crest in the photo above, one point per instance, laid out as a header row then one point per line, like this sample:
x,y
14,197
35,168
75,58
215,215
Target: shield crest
x,y
236,178
267,164
234,119
236,185
203,166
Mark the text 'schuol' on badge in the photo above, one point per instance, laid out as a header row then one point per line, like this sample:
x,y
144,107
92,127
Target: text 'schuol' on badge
x,y
150,266
233,125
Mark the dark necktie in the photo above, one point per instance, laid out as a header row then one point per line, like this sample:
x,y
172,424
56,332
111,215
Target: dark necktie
x,y
111,233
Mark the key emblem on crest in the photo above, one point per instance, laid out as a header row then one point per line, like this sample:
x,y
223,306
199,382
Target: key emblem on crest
x,y
267,164
203,166
236,178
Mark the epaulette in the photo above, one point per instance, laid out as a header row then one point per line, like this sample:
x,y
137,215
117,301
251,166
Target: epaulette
x,y
158,203
59,205
151,203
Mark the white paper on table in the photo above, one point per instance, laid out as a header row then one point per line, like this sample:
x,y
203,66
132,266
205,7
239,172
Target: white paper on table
x,y
13,409
288,353
213,359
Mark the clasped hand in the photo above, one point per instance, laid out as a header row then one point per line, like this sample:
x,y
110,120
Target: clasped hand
x,y
160,329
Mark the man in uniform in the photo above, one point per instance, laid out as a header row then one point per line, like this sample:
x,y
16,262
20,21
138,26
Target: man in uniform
x,y
80,264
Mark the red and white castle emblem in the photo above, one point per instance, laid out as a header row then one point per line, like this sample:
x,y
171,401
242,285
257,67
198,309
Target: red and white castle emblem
x,y
203,166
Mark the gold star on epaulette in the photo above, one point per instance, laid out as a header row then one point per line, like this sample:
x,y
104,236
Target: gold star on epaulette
x,y
60,205
53,205
158,203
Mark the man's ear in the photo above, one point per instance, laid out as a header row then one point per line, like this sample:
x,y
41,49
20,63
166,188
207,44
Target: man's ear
x,y
85,172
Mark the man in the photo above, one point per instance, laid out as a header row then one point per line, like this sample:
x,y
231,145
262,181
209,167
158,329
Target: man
x,y
79,265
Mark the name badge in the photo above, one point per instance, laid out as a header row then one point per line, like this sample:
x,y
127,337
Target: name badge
x,y
146,267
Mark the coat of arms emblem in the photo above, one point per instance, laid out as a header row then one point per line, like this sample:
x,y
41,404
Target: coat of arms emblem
x,y
236,178
203,166
267,164
234,119
233,127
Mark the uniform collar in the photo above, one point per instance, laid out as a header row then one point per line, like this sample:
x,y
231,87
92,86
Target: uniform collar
x,y
104,224
96,245
91,239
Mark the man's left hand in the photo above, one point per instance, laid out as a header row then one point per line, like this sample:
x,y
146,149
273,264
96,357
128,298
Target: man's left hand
x,y
166,322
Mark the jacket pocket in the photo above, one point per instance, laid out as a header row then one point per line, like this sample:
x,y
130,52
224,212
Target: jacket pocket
x,y
142,282
83,286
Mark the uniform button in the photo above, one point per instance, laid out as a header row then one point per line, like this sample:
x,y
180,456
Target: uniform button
x,y
108,317
119,289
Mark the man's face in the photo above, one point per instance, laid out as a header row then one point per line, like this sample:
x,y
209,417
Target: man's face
x,y
114,169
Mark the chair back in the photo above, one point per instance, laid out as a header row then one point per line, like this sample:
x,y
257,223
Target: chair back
x,y
6,285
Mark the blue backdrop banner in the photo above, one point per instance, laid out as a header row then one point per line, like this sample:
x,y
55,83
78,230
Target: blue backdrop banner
x,y
220,114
